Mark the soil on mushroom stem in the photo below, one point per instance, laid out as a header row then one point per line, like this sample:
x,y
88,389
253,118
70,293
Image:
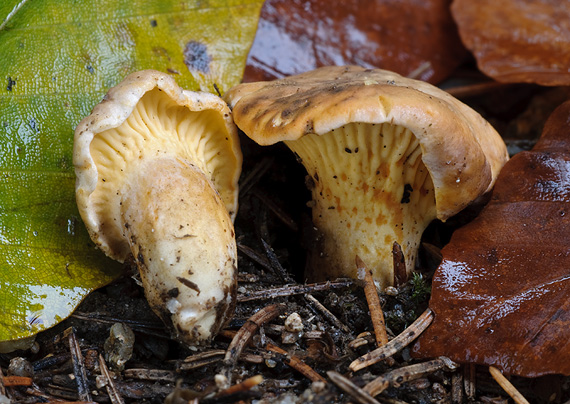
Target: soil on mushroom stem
x,y
273,208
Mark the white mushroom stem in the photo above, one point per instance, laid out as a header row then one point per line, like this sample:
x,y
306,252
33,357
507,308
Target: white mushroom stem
x,y
371,189
182,239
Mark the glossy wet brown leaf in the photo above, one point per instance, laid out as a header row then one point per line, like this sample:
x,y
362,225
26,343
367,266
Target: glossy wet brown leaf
x,y
501,293
518,40
410,37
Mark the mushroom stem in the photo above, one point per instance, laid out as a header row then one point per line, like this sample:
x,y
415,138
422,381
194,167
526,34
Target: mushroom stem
x,y
371,189
182,239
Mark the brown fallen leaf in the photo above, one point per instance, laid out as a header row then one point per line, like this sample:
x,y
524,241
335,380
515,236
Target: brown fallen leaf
x,y
517,40
500,295
410,37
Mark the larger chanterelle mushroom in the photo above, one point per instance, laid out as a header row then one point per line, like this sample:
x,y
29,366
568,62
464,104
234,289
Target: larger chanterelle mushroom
x,y
386,154
157,170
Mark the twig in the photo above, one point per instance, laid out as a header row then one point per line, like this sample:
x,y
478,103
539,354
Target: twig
x,y
456,388
255,256
275,264
284,217
327,314
399,261
2,387
246,385
396,344
507,386
202,359
397,377
112,391
157,375
11,381
472,90
290,290
421,69
469,380
255,175
358,394
373,300
79,368
297,364
245,333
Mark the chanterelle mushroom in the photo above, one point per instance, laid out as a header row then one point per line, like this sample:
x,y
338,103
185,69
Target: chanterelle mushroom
x,y
386,154
157,170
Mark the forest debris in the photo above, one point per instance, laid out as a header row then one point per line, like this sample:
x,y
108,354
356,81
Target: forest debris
x,y
358,394
399,261
246,385
290,290
397,377
396,344
79,368
327,314
297,364
11,381
456,388
245,333
119,345
202,359
112,391
254,256
376,314
276,209
275,265
507,386
158,375
469,380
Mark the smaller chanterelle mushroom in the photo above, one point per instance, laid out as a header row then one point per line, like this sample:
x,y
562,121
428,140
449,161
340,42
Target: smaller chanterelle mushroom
x,y
386,155
157,170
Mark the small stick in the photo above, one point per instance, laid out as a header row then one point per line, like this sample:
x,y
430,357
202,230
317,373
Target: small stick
x,y
284,217
358,394
297,364
254,256
397,377
158,375
246,385
255,175
112,391
507,386
456,388
2,387
469,380
472,90
201,359
79,368
421,69
400,272
327,314
275,264
396,344
11,381
293,290
245,333
374,305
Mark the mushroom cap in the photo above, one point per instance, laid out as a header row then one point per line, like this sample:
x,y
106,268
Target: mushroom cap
x,y
460,149
170,122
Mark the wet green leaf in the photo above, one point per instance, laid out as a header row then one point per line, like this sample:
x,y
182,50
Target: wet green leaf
x,y
57,60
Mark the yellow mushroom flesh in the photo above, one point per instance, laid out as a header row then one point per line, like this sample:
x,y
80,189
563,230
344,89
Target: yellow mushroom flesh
x,y
370,189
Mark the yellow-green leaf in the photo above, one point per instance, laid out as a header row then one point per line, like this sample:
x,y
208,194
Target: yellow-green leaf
x,y
57,59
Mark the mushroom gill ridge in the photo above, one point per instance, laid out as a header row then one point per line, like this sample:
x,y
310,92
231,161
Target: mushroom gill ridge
x,y
370,189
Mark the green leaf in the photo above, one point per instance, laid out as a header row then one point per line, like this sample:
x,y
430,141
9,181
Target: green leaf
x,y
57,60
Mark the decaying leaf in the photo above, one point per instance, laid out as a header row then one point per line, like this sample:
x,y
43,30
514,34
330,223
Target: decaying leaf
x,y
500,295
57,60
517,40
409,37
